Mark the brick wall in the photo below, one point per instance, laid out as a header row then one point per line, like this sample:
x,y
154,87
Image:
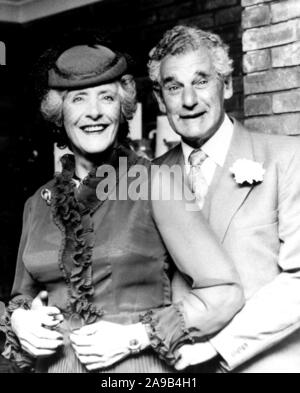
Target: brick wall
x,y
137,25
271,44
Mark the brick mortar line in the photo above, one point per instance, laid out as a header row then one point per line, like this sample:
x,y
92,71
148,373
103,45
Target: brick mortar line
x,y
272,24
271,47
270,114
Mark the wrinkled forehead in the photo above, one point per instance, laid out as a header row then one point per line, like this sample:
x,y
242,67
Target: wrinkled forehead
x,y
103,88
187,65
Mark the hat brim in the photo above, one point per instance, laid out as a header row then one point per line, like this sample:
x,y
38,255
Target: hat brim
x,y
73,82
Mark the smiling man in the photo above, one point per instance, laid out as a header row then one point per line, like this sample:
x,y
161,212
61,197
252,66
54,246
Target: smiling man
x,y
248,186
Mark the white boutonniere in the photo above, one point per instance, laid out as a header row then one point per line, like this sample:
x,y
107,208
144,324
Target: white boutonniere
x,y
247,171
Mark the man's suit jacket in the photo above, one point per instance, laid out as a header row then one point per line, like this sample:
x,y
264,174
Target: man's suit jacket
x,y
259,226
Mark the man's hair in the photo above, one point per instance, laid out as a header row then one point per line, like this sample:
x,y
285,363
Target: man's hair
x,y
182,39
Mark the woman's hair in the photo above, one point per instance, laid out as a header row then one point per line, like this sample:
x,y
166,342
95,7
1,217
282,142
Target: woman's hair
x,y
52,105
182,39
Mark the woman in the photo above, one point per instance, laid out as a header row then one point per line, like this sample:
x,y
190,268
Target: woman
x,y
92,284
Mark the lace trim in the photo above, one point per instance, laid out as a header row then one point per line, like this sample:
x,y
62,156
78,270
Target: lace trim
x,y
73,216
75,256
12,348
167,331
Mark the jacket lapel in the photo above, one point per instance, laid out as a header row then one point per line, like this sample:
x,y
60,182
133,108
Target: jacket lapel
x,y
177,158
172,157
227,196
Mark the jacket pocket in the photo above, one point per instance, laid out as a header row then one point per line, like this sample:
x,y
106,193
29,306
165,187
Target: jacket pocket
x,y
255,221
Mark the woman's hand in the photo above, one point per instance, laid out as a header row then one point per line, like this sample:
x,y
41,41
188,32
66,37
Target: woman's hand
x,y
33,327
195,354
102,344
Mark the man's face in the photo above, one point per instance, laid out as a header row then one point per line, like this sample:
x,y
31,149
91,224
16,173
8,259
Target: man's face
x,y
192,95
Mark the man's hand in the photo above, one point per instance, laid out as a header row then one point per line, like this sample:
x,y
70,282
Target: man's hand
x,y
102,344
32,327
195,354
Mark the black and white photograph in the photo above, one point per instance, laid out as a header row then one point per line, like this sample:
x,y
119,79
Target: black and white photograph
x,y
150,189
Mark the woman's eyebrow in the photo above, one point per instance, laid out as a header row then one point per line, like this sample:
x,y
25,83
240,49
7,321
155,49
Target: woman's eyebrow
x,y
106,91
79,92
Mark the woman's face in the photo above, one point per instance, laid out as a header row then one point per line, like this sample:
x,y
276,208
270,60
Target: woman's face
x,y
91,117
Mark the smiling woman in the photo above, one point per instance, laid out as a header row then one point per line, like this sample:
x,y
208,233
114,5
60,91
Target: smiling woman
x,y
91,118
92,289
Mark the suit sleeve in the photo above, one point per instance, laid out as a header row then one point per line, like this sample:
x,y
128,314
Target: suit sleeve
x,y
215,294
273,312
23,292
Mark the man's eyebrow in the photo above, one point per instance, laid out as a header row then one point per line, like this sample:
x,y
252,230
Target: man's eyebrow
x,y
198,74
169,79
202,74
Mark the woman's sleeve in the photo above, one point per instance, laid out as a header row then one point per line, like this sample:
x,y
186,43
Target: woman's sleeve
x,y
215,294
23,292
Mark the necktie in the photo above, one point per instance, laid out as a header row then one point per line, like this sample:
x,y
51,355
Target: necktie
x,y
196,179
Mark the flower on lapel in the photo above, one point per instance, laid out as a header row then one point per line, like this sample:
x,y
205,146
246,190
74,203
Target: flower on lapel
x,y
247,171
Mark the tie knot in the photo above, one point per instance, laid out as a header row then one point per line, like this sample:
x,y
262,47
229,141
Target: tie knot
x,y
197,157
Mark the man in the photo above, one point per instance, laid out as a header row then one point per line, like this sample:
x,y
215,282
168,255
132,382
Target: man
x,y
250,194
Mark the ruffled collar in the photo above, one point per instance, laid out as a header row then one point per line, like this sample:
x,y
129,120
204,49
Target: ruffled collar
x,y
72,211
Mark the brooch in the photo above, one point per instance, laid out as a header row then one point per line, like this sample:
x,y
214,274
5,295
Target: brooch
x,y
46,195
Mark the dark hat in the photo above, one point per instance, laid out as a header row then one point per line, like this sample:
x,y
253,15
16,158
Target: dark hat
x,y
86,66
